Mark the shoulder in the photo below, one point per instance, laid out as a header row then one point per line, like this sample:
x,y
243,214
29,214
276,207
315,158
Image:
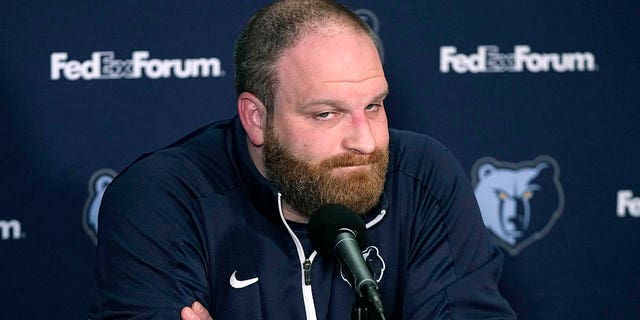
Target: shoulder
x,y
420,155
409,144
195,165
423,158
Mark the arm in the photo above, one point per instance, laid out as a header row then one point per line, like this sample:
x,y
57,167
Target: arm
x,y
453,266
151,260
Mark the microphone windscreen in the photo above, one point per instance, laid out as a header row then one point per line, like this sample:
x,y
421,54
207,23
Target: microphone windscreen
x,y
325,224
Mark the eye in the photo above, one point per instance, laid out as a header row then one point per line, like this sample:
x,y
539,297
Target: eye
x,y
527,195
324,115
373,107
503,195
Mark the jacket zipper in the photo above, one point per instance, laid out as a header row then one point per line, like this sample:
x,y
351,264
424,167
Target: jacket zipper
x,y
305,266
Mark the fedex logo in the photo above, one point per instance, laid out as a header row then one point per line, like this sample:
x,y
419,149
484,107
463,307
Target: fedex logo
x,y
11,230
628,204
489,59
104,65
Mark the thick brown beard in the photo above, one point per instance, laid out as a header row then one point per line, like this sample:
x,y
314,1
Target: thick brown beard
x,y
307,186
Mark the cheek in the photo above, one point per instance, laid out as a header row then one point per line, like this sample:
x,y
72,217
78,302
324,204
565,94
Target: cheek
x,y
315,146
382,137
307,144
380,131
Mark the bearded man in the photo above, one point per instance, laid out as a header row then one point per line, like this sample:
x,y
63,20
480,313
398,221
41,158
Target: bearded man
x,y
215,225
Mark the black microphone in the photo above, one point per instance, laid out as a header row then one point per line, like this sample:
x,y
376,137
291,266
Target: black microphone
x,y
337,231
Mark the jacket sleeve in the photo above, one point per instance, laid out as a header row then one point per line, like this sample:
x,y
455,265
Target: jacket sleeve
x,y
454,267
150,255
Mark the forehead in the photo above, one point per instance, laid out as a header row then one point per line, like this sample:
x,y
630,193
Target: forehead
x,y
330,58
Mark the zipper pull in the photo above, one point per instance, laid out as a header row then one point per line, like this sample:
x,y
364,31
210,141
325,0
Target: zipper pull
x,y
306,266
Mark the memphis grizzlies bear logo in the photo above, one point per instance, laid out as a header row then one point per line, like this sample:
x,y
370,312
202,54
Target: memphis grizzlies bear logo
x,y
371,19
97,185
520,202
374,261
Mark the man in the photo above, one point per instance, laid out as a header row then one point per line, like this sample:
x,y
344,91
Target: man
x,y
215,225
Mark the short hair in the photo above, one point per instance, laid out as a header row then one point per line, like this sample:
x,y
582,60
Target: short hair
x,y
276,28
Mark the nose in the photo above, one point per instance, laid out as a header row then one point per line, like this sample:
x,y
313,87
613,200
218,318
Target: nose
x,y
359,136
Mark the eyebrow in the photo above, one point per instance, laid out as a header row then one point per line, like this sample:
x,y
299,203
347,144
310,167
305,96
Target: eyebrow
x,y
381,96
337,103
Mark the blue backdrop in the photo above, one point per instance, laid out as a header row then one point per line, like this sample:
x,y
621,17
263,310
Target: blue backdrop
x,y
538,100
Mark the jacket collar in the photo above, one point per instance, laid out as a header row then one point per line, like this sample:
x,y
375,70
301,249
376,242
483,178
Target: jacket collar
x,y
262,193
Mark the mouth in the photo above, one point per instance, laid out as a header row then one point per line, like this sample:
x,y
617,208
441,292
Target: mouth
x,y
346,169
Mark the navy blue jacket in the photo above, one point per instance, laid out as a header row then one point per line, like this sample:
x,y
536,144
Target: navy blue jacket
x,y
197,221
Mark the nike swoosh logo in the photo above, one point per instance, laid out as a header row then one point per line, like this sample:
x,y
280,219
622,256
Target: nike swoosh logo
x,y
239,284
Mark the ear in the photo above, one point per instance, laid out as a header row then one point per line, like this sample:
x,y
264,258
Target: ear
x,y
485,170
253,115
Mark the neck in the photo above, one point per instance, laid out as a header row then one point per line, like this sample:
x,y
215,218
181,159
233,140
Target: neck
x,y
292,215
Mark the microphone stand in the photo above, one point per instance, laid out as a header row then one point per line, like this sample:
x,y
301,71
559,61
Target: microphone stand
x,y
362,311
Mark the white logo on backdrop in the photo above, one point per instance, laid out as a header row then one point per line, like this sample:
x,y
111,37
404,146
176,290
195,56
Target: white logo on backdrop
x,y
103,65
371,19
628,204
97,185
11,230
488,58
